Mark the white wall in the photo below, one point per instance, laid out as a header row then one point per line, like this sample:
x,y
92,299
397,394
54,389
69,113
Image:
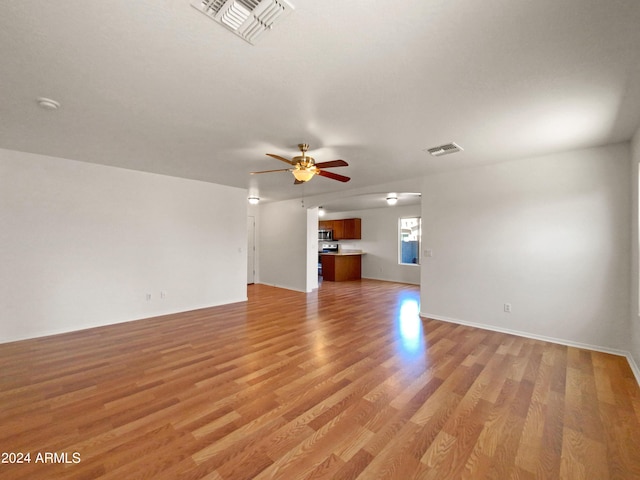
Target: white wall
x,y
634,317
312,249
550,235
81,245
254,211
283,242
380,243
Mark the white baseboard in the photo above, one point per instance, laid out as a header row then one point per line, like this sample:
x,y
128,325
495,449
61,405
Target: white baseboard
x,y
285,287
62,331
559,341
634,367
390,280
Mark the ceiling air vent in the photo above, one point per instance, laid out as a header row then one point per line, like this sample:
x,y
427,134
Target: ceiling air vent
x,y
246,18
445,149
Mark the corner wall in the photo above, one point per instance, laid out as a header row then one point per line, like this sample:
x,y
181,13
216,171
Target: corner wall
x,y
549,235
81,245
634,316
284,242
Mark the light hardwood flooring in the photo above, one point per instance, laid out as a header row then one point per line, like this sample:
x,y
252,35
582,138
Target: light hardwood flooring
x,y
344,383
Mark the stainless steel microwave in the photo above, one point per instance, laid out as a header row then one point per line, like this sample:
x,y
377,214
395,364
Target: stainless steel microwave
x,y
325,234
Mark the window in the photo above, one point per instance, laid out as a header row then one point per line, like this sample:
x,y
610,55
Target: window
x,y
410,232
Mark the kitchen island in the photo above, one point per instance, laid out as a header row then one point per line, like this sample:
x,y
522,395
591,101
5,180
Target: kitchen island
x,y
338,267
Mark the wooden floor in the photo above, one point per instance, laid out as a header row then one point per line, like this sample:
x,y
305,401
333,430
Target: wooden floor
x,y
344,383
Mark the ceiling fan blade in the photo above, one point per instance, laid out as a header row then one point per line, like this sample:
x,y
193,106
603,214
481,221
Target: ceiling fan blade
x,y
282,159
270,171
332,163
333,176
297,182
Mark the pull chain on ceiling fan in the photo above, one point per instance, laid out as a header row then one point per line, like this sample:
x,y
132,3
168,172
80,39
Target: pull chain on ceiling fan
x,y
305,167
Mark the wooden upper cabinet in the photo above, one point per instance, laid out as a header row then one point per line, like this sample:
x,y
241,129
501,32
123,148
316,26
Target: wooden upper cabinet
x,y
325,225
345,229
351,229
338,229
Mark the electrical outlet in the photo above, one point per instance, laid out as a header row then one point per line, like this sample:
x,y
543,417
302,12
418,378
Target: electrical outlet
x,y
507,307
163,294
148,296
428,252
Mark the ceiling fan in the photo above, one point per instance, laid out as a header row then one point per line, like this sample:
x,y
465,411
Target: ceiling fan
x,y
304,167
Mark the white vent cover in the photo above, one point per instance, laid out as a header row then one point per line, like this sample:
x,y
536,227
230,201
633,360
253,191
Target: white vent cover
x,y
246,18
445,149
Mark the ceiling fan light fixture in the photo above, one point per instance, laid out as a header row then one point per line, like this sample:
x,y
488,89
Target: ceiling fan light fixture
x,y
392,199
304,168
303,175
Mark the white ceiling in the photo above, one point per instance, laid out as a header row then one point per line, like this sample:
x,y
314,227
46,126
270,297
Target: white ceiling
x,y
363,201
154,85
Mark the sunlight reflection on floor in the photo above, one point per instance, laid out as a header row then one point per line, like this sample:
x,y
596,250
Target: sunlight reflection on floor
x,y
410,327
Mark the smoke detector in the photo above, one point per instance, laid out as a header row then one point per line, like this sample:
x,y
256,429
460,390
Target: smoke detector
x,y
246,18
444,149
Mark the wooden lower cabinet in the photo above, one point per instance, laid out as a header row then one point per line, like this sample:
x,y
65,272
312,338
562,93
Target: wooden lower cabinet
x,y
338,268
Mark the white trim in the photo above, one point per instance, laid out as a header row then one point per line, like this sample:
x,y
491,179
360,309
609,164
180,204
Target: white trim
x,y
292,289
559,341
634,367
392,280
157,315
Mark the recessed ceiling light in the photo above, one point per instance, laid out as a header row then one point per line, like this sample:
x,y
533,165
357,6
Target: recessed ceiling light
x,y
392,198
254,200
48,104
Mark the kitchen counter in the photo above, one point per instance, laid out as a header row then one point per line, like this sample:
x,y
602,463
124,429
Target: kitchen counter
x,y
342,254
341,266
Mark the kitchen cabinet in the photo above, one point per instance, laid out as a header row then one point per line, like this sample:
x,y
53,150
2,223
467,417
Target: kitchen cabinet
x,y
338,230
325,225
351,229
345,229
337,267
